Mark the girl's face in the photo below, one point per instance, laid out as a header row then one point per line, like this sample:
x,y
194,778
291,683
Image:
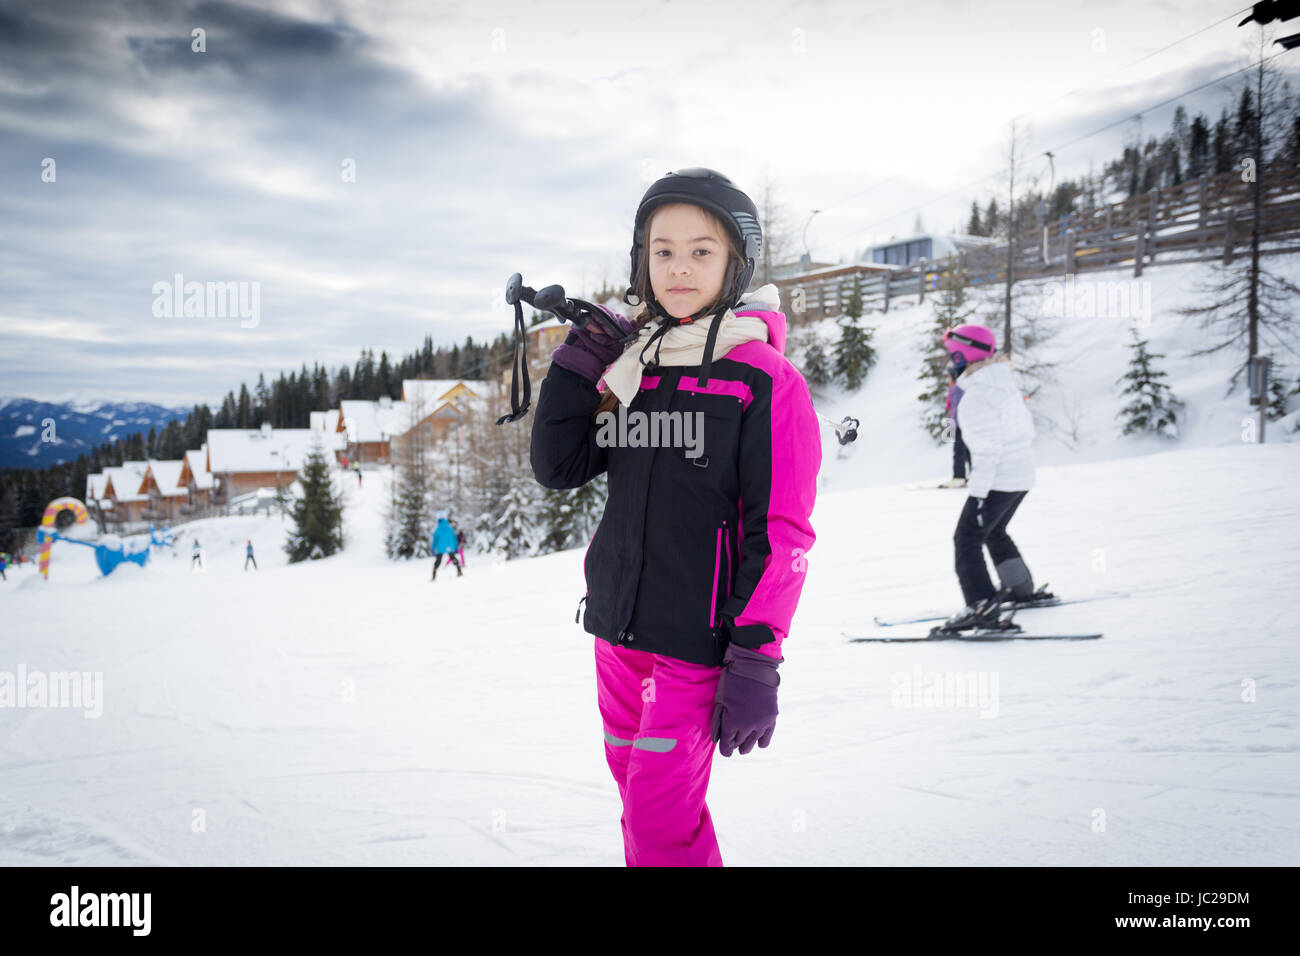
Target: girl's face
x,y
688,259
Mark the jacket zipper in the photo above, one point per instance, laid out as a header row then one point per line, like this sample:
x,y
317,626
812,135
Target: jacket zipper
x,y
723,546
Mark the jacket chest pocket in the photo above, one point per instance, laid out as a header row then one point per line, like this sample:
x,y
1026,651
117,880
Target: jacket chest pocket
x,y
709,440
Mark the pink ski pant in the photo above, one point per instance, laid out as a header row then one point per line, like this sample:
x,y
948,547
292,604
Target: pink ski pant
x,y
657,713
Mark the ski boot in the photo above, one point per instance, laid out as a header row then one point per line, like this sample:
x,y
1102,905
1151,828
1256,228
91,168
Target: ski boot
x,y
990,614
1040,598
953,483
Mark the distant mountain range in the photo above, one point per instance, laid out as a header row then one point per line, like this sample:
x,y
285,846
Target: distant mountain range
x,y
78,426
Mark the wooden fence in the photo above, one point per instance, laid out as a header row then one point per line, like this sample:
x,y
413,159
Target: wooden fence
x,y
1196,221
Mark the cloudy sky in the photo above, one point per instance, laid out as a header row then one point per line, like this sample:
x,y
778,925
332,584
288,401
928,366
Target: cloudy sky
x,y
378,169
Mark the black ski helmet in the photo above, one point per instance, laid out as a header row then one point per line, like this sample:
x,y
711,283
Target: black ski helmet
x,y
715,192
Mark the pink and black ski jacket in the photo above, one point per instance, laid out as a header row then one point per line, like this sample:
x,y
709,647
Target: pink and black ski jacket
x,y
694,552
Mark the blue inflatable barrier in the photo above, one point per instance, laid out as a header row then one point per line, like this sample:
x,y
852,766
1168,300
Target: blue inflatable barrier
x,y
108,558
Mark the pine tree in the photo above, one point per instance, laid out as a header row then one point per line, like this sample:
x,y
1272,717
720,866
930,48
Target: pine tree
x,y
385,377
410,522
952,307
569,516
261,399
317,514
1154,407
560,522
816,366
9,516
854,354
1198,148
516,531
244,408
1278,396
1222,145
853,301
992,218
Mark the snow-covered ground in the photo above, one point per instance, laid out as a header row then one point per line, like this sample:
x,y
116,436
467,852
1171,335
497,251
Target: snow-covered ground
x,y
348,711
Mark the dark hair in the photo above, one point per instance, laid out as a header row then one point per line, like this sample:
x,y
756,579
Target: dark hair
x,y
642,289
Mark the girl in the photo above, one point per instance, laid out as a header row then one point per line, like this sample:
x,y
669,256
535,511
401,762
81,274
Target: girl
x,y
960,453
990,412
697,564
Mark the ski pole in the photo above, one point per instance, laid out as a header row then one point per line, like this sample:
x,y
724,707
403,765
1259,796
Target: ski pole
x,y
845,430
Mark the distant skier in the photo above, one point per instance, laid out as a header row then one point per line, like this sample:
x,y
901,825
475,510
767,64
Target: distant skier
x,y
960,453
196,556
460,546
999,431
357,466
4,559
248,555
444,542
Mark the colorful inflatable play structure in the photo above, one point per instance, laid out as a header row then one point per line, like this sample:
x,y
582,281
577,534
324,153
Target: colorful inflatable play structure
x,y
106,556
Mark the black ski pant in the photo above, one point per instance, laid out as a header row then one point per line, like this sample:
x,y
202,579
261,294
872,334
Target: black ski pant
x,y
978,528
437,562
960,456
247,558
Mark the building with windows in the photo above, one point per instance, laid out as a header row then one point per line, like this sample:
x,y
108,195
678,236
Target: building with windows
x,y
910,250
246,459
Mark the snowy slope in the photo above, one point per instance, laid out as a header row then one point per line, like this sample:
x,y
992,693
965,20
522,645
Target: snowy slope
x,y
348,711
1076,411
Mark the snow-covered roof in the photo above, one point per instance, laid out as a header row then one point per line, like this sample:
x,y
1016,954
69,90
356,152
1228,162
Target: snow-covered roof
x,y
372,421
383,420
433,392
550,322
166,475
95,485
126,480
197,462
327,421
240,450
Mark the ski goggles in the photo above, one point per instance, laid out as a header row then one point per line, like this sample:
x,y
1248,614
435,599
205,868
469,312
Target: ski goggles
x,y
952,336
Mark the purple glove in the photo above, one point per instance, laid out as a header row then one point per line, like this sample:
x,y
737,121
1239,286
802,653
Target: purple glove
x,y
589,351
744,708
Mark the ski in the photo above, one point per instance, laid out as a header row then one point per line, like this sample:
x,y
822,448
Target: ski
x,y
997,635
1020,606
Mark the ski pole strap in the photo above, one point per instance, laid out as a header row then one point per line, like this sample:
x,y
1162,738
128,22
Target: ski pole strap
x,y
519,367
706,366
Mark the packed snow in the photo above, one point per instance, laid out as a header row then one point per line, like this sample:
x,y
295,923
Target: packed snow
x,y
350,711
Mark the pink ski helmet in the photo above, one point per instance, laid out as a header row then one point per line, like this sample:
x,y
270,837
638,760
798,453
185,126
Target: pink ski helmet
x,y
969,343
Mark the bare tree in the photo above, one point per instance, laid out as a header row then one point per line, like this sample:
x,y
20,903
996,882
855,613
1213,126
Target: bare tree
x,y
778,230
1016,179
1248,301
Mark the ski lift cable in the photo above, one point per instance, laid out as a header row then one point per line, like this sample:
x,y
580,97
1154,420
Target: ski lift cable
x,y
1116,72
1078,139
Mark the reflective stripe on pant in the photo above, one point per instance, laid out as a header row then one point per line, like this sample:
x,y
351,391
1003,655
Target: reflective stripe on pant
x,y
656,712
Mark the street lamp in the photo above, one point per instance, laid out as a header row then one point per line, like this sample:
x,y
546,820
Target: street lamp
x,y
807,256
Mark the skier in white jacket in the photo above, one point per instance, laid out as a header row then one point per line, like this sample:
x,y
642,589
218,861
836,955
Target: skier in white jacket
x,y
999,432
